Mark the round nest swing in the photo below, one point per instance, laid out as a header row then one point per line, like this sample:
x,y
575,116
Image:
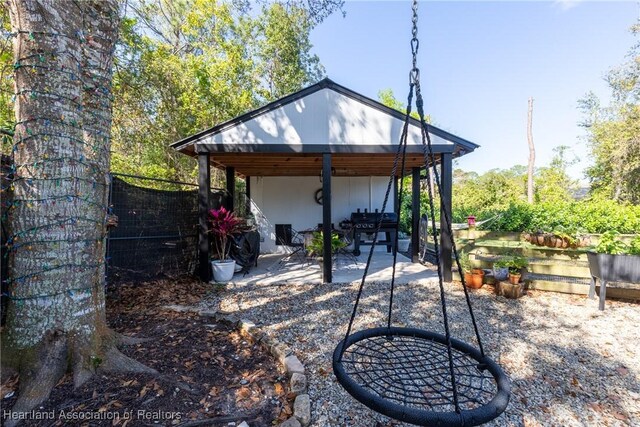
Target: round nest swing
x,y
414,375
404,373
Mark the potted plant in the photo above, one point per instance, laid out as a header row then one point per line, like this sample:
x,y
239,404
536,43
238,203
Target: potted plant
x,y
513,288
465,265
515,264
223,225
404,241
501,269
315,248
613,260
473,277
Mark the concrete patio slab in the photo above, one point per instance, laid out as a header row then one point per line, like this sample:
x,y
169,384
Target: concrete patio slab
x,y
278,269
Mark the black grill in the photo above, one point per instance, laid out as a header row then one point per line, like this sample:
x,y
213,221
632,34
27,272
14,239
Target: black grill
x,y
369,220
366,222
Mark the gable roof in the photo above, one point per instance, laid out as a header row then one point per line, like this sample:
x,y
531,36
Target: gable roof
x,y
231,128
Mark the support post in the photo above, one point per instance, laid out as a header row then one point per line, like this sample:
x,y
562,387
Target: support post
x,y
326,218
247,184
231,187
446,178
415,214
204,189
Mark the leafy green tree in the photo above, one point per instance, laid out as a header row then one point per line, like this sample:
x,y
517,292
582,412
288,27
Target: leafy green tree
x,y
387,97
553,183
614,132
283,51
185,65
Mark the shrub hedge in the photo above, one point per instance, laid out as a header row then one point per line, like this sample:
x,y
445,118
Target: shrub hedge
x,y
587,216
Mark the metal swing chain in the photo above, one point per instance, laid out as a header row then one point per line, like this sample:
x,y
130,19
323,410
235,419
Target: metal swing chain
x,y
414,75
428,153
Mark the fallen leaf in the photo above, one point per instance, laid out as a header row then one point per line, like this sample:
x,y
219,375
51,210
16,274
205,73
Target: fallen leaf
x,y
595,406
144,391
279,388
622,370
620,416
243,392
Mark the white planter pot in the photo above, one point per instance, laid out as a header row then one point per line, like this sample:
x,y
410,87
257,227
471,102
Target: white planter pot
x,y
223,271
403,245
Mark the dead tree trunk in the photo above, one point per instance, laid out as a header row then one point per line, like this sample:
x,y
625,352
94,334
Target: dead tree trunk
x,y
63,52
532,153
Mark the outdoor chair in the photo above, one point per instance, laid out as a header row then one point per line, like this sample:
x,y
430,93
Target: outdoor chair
x,y
293,244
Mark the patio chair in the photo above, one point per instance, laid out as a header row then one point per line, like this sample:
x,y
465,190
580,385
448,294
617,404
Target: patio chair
x,y
293,244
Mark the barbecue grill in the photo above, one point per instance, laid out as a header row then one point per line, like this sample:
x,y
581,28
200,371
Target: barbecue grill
x,y
365,223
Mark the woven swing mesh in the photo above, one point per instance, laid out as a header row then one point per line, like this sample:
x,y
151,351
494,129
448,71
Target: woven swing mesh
x,y
414,372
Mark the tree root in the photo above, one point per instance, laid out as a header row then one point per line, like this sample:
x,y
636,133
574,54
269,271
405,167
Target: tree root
x,y
37,381
58,352
115,361
127,340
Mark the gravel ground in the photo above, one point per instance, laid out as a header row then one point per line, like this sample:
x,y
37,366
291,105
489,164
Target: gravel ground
x,y
570,364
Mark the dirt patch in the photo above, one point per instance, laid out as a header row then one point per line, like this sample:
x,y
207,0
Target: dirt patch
x,y
208,371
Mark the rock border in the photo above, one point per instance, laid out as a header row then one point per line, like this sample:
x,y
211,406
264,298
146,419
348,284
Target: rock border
x,y
295,370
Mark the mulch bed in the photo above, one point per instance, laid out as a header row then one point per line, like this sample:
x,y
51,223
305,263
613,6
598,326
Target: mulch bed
x,y
209,373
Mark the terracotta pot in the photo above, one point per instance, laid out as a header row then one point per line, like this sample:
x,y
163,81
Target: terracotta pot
x,y
467,278
539,239
476,279
514,278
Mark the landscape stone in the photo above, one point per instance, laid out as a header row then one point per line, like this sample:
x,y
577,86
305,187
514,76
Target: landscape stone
x,y
280,351
247,325
243,424
302,409
291,422
292,365
298,384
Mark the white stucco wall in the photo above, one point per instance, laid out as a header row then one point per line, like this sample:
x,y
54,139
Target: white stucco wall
x,y
290,200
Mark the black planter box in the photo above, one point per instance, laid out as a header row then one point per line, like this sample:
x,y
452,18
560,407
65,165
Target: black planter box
x,y
612,268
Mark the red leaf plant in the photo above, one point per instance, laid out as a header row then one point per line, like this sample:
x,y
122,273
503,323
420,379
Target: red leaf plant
x,y
224,224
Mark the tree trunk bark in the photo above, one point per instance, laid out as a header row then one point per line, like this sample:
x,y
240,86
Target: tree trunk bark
x,y
63,53
532,153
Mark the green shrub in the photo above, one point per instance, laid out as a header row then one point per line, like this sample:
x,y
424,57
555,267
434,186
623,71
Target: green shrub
x,y
570,217
609,244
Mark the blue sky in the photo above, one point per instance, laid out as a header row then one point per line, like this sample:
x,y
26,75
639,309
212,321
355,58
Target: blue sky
x,y
481,61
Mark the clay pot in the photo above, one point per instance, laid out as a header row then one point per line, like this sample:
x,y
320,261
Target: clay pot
x,y
467,278
477,279
539,239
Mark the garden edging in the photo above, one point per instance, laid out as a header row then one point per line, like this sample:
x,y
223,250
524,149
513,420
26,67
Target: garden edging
x,y
294,368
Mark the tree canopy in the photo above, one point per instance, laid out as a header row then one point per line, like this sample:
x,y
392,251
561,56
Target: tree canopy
x,y
184,66
614,132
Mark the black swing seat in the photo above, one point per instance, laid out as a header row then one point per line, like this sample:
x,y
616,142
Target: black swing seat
x,y
405,373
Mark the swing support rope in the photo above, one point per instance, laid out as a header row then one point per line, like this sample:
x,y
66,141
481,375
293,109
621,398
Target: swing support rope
x,y
429,159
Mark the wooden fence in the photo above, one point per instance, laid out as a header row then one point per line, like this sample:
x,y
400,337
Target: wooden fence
x,y
550,269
